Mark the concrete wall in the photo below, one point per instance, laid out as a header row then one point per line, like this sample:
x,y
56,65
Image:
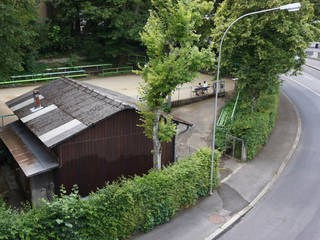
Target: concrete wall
x,y
41,186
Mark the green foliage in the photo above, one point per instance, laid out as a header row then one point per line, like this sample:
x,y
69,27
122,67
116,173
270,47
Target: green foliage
x,y
17,34
72,60
253,121
167,129
259,47
316,6
8,222
118,210
166,108
174,58
110,26
171,43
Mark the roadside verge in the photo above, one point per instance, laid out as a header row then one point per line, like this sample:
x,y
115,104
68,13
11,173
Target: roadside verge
x,y
294,144
241,190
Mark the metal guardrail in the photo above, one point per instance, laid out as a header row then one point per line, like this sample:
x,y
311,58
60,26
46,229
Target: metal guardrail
x,y
238,148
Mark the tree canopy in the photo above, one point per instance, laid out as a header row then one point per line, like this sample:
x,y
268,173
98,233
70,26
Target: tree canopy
x,y
260,47
17,34
174,58
100,28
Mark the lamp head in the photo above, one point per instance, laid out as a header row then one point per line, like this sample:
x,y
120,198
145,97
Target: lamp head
x,y
292,7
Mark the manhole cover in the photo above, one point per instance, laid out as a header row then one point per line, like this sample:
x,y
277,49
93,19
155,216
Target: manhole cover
x,y
217,219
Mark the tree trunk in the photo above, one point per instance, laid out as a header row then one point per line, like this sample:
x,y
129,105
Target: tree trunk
x,y
156,142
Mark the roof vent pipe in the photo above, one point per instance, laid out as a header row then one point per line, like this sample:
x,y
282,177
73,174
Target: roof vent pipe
x,y
36,97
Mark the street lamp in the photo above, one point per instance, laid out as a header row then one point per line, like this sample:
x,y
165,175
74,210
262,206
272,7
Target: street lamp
x,y
291,8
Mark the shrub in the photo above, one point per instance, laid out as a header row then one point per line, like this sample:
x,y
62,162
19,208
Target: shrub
x,y
253,121
119,209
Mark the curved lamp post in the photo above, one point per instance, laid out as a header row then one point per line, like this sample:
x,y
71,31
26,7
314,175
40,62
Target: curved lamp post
x,y
291,8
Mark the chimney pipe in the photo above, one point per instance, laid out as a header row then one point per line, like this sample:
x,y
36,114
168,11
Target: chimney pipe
x,y
36,97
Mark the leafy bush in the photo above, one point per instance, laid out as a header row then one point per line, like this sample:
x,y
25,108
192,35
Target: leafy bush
x,y
253,121
118,210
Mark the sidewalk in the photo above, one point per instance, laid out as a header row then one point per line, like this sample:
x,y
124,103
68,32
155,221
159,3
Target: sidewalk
x,y
240,189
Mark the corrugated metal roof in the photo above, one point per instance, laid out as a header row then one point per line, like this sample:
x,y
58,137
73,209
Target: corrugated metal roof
x,y
68,107
30,154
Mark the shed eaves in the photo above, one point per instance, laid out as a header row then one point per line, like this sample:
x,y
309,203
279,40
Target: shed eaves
x,y
32,157
68,107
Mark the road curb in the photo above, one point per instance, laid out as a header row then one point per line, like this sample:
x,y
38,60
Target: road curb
x,y
274,179
310,66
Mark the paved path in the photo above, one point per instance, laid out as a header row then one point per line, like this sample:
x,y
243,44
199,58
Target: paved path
x,y
291,211
199,136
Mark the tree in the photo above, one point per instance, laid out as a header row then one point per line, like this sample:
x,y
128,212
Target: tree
x,y
174,59
17,19
316,6
260,47
101,28
316,22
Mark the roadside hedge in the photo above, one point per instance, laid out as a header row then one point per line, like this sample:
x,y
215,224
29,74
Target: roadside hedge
x,y
253,121
117,211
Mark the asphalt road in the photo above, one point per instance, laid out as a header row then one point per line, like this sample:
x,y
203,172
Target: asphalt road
x,y
291,210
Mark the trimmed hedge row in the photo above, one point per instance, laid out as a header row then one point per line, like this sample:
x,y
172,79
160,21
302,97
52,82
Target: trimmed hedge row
x,y
253,121
117,211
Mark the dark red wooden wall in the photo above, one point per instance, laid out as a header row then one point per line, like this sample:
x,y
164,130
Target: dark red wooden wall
x,y
104,152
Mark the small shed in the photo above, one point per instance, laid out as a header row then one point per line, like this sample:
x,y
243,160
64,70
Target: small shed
x,y
70,132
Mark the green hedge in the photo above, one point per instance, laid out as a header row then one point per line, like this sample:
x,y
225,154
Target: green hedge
x,y
253,121
117,211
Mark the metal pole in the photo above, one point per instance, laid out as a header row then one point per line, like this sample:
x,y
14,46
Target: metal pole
x,y
217,90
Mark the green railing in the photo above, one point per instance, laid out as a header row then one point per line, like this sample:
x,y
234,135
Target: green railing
x,y
116,71
21,79
235,106
97,66
224,115
70,72
223,118
31,76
